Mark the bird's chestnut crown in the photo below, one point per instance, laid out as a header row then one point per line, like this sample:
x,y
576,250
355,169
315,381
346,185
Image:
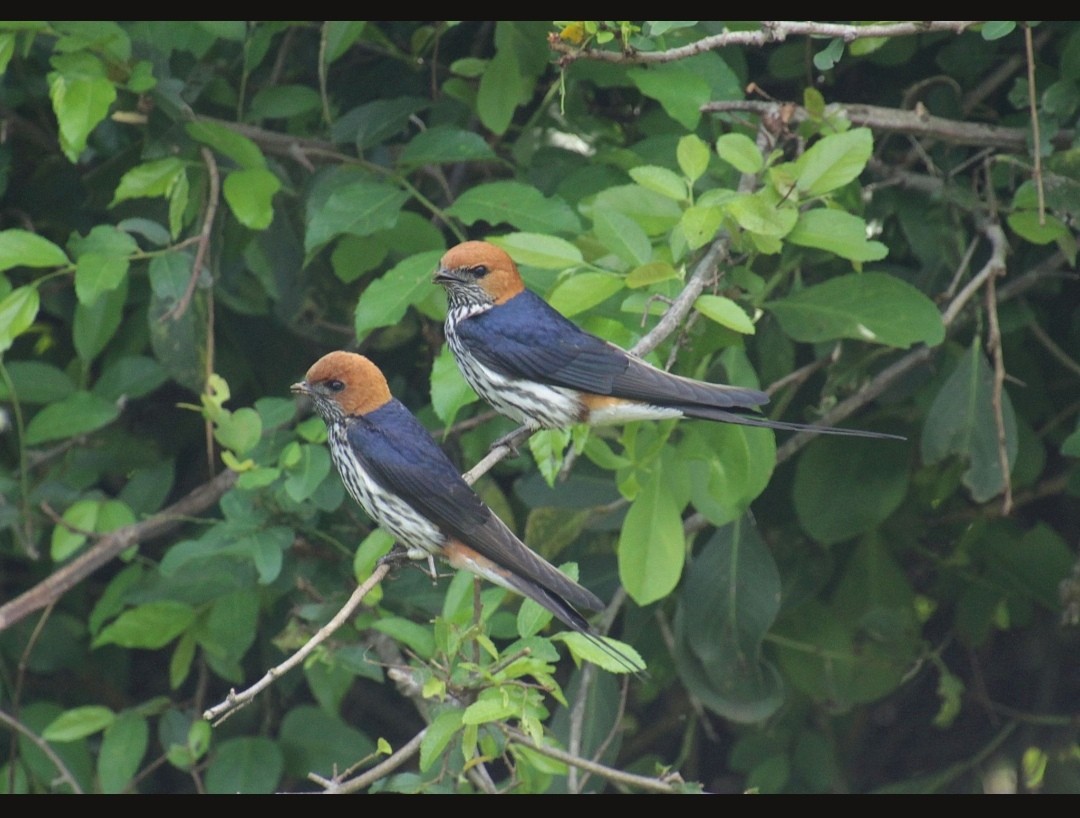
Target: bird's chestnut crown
x,y
478,264
351,381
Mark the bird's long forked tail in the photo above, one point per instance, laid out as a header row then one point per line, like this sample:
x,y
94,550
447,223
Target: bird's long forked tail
x,y
728,416
610,657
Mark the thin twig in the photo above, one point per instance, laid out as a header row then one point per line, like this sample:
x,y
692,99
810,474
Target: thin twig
x,y
235,700
180,307
1035,137
391,763
993,346
43,745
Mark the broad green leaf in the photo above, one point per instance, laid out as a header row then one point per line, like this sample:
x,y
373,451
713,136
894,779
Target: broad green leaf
x,y
655,213
98,516
838,232
651,273
359,207
123,747
340,35
516,203
306,476
449,390
548,447
152,625
961,421
245,766
250,195
651,543
81,96
760,213
7,50
439,733
97,322
728,467
377,121
725,312
130,376
411,634
587,650
159,177
239,431
225,141
661,180
830,55
36,382
78,723
623,236
692,155
443,144
96,273
1026,224
728,603
77,414
871,476
21,248
536,250
284,101
740,151
316,741
499,92
833,161
996,29
583,291
18,309
699,224
385,300
178,341
873,307
680,91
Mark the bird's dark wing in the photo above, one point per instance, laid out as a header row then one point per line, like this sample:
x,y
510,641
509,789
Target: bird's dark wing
x,y
400,454
526,338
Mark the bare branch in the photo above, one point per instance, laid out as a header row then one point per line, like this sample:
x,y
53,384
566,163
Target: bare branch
x,y
64,579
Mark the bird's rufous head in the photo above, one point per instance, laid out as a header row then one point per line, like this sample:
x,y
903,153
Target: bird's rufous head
x,y
344,383
479,272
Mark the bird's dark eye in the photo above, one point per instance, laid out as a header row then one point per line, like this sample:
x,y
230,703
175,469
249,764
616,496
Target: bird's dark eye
x,y
335,385
479,271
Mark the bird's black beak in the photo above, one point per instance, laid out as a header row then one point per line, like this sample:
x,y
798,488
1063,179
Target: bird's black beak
x,y
444,277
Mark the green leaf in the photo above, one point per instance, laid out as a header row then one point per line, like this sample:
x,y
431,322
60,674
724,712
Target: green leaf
x,y
78,723
21,248
316,741
449,390
250,195
18,309
96,323
516,203
871,476
728,603
692,155
547,447
443,144
439,734
996,29
873,307
961,421
77,414
306,475
700,223
833,161
130,376
385,300
679,90
623,236
239,431
838,232
284,101
246,766
761,213
535,250
655,213
651,543
123,747
81,96
152,625
36,382
661,180
340,35
830,55
159,177
651,273
587,650
741,152
1026,224
97,516
725,312
225,141
499,92
96,273
413,635
583,291
359,207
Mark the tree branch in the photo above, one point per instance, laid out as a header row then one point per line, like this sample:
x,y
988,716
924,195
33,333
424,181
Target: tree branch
x,y
63,579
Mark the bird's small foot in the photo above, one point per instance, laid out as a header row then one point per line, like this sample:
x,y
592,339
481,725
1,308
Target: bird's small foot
x,y
512,439
398,555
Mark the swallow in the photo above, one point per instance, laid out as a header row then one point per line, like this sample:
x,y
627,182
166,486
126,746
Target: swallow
x,y
535,366
393,468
